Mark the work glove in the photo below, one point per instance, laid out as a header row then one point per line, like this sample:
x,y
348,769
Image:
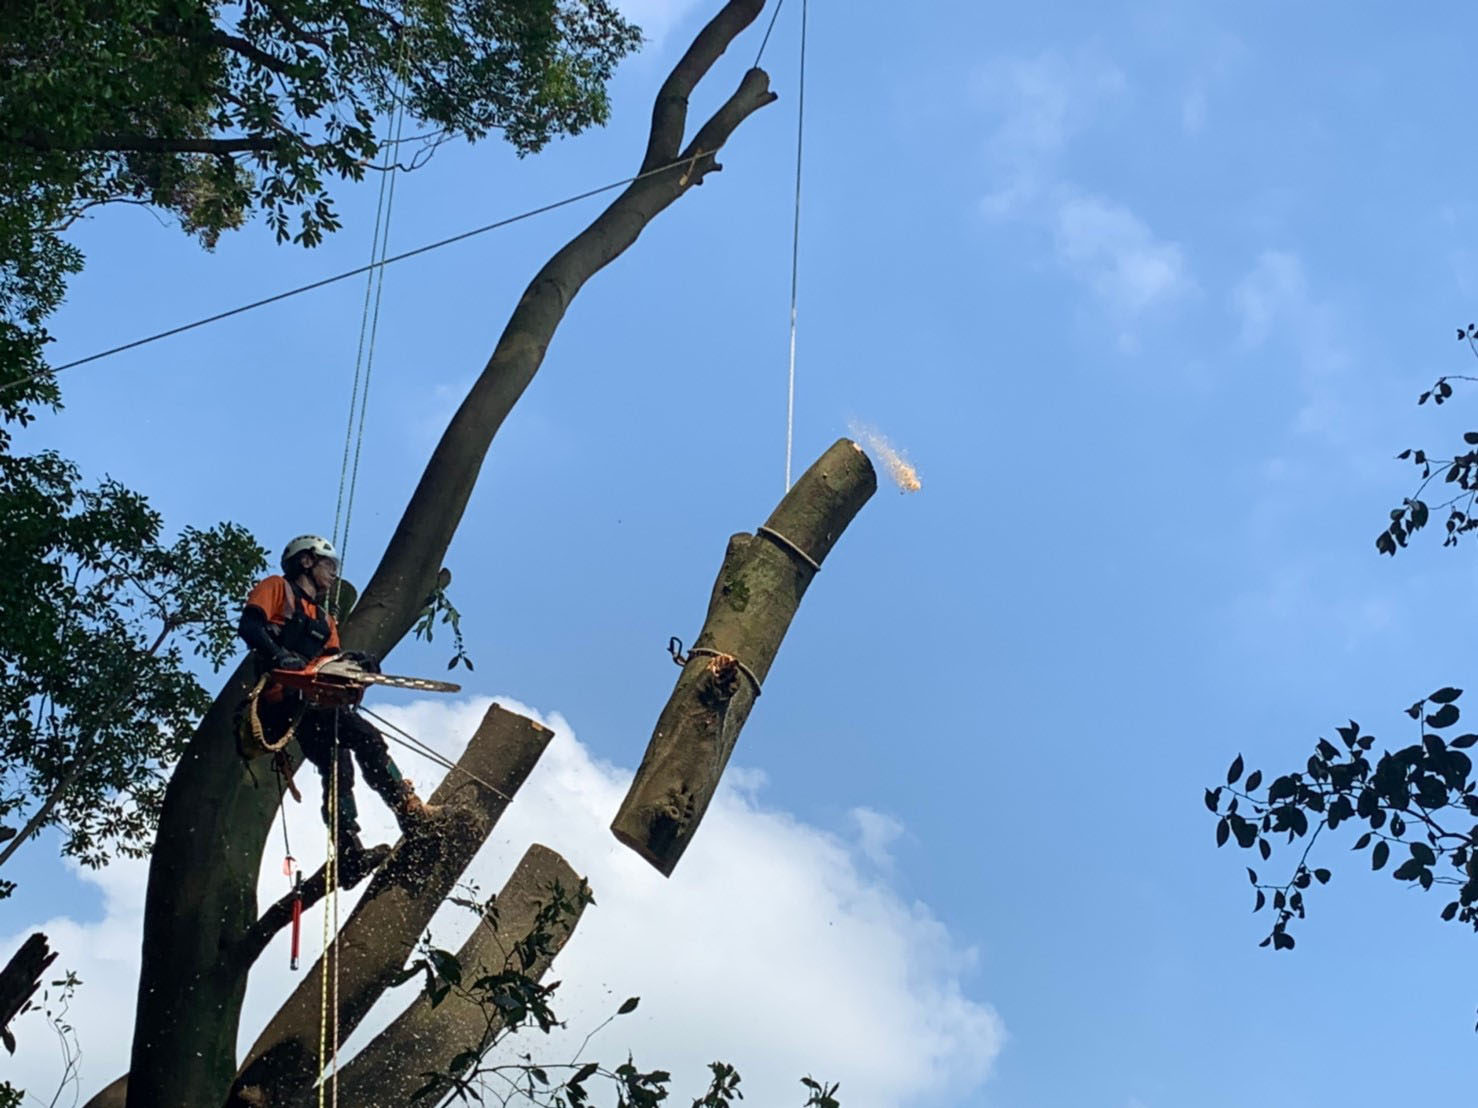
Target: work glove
x,y
286,659
367,662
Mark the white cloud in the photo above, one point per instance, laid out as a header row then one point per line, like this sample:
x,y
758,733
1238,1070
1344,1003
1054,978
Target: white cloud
x,y
876,834
656,18
1273,302
770,947
1110,248
1040,106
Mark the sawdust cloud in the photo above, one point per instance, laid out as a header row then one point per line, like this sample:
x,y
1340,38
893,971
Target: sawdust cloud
x,y
895,461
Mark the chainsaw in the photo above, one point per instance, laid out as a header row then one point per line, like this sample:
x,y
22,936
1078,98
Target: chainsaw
x,y
337,681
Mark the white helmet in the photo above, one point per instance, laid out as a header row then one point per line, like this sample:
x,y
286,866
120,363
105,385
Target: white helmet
x,y
316,545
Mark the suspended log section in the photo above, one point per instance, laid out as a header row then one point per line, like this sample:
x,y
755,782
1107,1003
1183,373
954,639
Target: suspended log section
x,y
759,588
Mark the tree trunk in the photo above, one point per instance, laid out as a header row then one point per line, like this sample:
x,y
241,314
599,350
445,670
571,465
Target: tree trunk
x,y
758,589
425,1039
382,931
213,826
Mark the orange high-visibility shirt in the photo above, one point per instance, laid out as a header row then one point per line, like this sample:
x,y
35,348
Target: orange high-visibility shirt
x,y
274,596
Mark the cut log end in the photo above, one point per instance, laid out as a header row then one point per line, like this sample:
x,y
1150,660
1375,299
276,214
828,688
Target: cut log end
x,y
654,840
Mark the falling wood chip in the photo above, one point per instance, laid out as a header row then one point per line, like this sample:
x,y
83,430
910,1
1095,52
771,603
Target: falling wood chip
x,y
899,468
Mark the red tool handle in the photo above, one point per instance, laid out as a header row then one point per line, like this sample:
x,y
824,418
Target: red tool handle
x,y
297,919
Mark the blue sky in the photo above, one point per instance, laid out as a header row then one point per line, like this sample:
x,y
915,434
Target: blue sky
x,y
1147,291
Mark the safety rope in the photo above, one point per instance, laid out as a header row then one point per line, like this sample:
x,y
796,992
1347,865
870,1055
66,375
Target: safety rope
x,y
331,884
369,321
795,247
410,742
364,359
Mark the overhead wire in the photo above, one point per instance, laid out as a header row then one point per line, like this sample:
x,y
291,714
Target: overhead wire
x,y
348,273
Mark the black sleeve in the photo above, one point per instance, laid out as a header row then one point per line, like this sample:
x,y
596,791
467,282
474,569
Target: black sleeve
x,y
254,630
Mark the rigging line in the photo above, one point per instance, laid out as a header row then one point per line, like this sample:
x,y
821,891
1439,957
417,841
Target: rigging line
x,y
355,272
410,742
378,278
774,15
376,251
795,248
331,887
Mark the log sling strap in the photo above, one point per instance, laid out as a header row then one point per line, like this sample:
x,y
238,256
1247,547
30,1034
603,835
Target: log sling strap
x,y
721,659
781,541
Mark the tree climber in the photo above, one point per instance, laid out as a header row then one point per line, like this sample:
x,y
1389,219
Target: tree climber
x,y
287,626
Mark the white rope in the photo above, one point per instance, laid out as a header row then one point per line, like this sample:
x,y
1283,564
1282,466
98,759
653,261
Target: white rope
x,y
795,250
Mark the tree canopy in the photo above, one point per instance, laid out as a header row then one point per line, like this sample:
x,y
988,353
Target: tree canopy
x,y
210,112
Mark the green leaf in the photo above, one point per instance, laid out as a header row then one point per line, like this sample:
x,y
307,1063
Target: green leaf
x,y
1408,870
1444,716
447,966
1445,695
1254,779
1235,771
1379,855
628,1005
1450,911
585,1073
1322,876
1423,854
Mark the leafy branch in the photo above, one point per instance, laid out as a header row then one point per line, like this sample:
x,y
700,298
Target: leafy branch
x,y
1407,800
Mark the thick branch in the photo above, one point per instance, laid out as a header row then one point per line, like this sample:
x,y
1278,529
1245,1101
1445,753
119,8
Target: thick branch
x,y
759,587
401,898
275,918
670,111
19,981
425,1039
391,600
252,53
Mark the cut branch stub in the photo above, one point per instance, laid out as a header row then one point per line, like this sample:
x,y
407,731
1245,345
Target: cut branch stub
x,y
756,595
397,906
425,1039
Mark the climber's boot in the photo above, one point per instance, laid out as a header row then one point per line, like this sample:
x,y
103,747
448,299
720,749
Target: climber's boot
x,y
413,813
356,861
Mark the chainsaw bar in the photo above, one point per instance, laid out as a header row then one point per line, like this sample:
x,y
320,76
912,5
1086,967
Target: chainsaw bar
x,y
424,684
338,679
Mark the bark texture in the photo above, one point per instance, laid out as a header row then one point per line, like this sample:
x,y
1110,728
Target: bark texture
x,y
382,931
388,1071
758,589
214,824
